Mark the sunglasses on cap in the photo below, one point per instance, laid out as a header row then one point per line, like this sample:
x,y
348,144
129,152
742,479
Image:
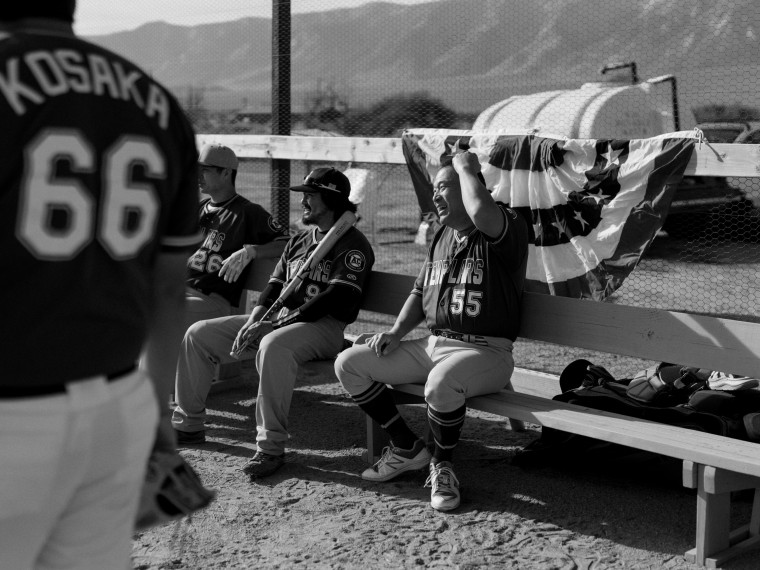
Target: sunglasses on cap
x,y
311,182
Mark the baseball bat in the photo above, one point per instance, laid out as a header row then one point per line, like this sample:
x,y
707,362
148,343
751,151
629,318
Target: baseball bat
x,y
341,225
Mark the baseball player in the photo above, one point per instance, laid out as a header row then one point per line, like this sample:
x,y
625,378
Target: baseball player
x,y
98,214
468,294
235,232
316,314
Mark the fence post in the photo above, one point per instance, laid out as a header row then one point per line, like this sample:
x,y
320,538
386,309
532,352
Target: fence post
x,y
280,168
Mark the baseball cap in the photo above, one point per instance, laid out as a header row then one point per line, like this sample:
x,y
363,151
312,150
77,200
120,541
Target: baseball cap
x,y
218,155
58,10
325,180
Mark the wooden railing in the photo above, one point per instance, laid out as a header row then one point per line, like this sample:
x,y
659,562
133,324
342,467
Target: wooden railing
x,y
708,159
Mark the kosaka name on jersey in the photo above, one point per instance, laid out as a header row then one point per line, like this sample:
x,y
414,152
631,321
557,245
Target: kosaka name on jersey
x,y
31,78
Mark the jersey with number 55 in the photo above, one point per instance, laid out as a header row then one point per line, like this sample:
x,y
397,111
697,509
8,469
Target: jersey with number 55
x,y
98,172
473,284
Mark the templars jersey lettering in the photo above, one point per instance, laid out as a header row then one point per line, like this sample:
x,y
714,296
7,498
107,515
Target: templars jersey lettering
x,y
348,263
320,274
457,271
462,275
99,173
214,240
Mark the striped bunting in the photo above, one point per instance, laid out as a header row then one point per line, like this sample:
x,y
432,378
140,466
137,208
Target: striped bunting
x,y
594,206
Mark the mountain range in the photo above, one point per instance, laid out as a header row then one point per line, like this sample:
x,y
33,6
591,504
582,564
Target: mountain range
x,y
467,53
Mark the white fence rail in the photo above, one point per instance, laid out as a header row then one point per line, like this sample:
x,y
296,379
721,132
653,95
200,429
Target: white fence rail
x,y
708,160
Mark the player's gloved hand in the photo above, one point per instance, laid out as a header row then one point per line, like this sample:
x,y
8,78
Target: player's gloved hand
x,y
233,266
384,343
172,490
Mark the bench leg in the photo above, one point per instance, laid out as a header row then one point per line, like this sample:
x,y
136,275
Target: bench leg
x,y
716,543
377,439
514,425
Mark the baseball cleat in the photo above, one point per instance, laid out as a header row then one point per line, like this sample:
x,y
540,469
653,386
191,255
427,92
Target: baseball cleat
x,y
723,381
190,437
263,465
444,486
395,461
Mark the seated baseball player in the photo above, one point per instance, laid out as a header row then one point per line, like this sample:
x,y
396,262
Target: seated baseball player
x,y
317,313
468,294
235,232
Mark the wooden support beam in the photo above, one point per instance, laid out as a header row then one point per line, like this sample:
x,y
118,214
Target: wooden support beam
x,y
708,159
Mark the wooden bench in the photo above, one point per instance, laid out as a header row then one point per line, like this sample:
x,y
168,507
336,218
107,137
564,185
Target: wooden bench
x,y
714,465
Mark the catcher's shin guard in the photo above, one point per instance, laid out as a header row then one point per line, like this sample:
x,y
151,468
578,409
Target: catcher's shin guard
x,y
172,490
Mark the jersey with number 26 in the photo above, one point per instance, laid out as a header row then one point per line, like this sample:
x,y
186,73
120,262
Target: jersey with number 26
x,y
98,171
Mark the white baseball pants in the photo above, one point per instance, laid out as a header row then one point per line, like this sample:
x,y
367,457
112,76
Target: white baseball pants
x,y
451,370
71,470
280,354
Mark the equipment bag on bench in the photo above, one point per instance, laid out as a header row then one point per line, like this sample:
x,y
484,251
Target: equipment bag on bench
x,y
667,394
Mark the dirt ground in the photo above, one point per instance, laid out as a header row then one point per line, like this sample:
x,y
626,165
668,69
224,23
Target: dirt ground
x,y
316,512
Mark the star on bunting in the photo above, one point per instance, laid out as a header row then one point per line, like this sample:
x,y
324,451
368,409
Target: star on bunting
x,y
611,156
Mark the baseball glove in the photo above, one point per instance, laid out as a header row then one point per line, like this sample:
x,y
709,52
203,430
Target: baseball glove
x,y
172,490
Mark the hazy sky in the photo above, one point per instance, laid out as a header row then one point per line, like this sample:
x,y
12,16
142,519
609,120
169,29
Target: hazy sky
x,y
96,17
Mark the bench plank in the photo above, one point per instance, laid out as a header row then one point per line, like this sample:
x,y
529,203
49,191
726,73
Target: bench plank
x,y
386,293
700,447
653,334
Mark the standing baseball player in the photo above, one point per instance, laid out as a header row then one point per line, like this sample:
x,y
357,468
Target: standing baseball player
x,y
468,294
98,213
317,313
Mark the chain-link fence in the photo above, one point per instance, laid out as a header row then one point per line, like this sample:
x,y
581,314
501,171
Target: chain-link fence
x,y
577,68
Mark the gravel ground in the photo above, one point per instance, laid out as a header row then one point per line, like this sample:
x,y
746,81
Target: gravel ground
x,y
316,512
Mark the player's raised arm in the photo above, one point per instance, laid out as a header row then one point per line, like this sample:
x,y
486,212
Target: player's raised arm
x,y
477,200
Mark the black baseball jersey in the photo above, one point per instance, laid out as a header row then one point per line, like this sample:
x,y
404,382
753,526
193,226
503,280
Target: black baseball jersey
x,y
473,285
348,264
98,171
226,228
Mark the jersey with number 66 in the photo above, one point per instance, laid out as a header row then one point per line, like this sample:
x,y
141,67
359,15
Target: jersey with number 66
x,y
98,171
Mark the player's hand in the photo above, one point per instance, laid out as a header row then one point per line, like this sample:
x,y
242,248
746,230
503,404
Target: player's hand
x,y
384,343
233,266
239,345
251,334
465,161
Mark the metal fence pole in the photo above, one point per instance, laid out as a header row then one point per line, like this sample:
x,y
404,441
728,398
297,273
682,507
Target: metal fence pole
x,y
280,168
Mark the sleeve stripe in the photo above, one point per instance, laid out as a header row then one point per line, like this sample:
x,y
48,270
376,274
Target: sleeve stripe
x,y
341,282
181,241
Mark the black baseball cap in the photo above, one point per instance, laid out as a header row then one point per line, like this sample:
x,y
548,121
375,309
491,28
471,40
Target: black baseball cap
x,y
54,9
325,180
